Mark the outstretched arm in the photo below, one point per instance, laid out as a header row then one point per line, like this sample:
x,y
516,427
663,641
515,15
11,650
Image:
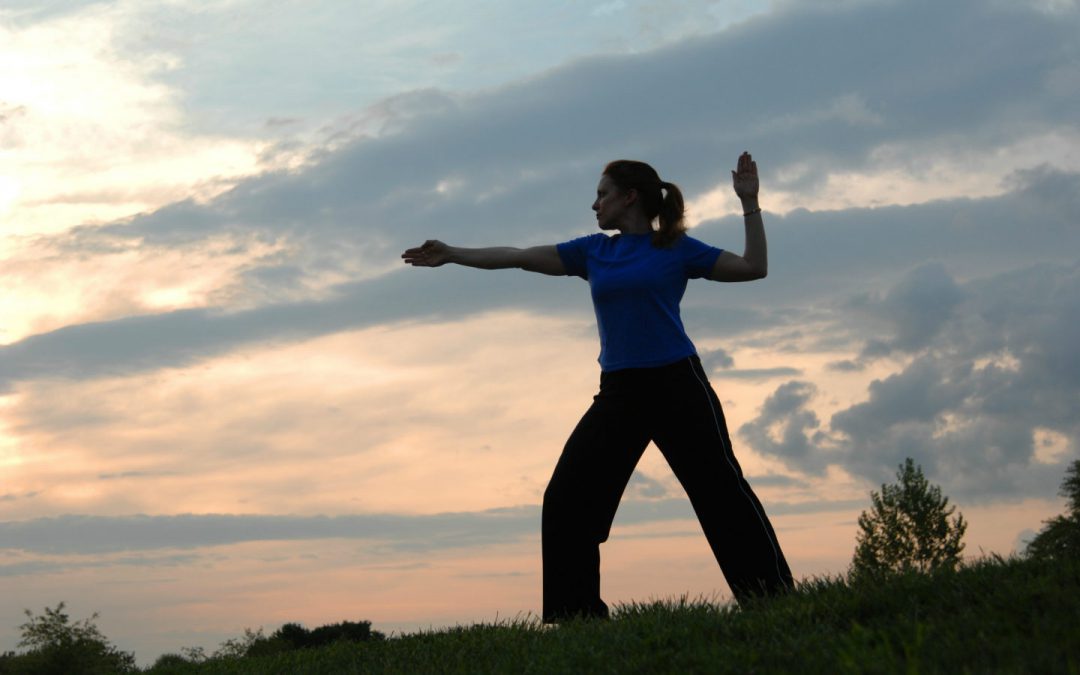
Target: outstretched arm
x,y
754,262
433,253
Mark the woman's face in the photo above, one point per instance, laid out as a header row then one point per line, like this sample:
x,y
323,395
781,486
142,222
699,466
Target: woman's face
x,y
611,204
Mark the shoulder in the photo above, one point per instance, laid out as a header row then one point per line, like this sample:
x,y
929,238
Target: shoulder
x,y
697,256
586,240
589,242
687,241
688,246
576,253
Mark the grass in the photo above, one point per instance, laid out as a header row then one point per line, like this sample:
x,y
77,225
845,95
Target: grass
x,y
994,616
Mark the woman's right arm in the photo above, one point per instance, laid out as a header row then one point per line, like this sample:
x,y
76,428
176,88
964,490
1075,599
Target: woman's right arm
x,y
433,253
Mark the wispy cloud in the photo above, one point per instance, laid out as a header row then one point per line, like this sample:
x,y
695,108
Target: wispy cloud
x,y
84,535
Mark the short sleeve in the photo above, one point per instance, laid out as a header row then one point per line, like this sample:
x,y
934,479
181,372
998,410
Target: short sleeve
x,y
698,257
575,255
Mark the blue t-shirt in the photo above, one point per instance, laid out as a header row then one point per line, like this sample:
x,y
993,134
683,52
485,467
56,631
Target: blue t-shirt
x,y
636,289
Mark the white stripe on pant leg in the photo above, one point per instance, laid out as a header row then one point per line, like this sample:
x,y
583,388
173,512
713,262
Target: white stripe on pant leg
x,y
728,454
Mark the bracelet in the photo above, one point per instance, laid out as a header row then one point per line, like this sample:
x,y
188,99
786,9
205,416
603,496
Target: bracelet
x,y
752,212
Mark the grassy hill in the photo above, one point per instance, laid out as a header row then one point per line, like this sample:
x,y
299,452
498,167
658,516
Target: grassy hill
x,y
995,616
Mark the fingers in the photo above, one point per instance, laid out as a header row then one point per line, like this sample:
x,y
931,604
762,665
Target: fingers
x,y
745,173
746,164
415,256
424,255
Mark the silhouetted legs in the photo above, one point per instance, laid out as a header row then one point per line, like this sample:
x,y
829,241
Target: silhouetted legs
x,y
694,440
675,406
580,504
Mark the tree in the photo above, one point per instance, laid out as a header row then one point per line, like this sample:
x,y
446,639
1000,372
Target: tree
x,y
1060,539
908,528
55,644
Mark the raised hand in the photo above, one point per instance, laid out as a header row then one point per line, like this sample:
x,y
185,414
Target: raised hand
x,y
431,253
744,178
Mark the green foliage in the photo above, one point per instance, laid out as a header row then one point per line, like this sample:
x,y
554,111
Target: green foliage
x,y
255,645
238,647
908,529
56,645
294,636
993,616
172,664
1060,538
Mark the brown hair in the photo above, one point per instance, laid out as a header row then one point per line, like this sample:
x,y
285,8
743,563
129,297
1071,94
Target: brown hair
x,y
629,174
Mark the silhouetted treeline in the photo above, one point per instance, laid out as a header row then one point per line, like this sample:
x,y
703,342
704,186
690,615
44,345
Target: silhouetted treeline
x,y
294,636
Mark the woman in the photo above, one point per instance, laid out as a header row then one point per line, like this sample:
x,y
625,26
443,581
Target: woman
x,y
652,385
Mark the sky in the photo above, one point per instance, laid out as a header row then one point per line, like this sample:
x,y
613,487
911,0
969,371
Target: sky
x,y
225,403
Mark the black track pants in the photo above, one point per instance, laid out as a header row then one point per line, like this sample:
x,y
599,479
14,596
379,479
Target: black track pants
x,y
675,407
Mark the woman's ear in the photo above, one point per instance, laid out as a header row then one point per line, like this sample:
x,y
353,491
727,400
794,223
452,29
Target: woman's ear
x,y
631,196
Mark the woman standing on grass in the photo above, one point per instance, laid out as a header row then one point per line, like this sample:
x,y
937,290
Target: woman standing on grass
x,y
652,385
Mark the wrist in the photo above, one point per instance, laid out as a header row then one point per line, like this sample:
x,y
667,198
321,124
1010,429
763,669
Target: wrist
x,y
750,203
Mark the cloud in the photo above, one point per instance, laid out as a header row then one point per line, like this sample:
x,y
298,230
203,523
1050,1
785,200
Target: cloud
x,y
482,168
511,147
89,136
123,475
38,10
716,359
183,337
758,373
970,234
920,305
12,496
990,367
645,487
920,186
99,535
68,564
781,428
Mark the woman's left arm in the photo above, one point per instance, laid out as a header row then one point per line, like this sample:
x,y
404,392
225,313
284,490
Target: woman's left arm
x,y
754,262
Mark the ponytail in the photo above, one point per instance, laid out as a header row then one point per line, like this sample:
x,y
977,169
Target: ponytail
x,y
661,201
671,216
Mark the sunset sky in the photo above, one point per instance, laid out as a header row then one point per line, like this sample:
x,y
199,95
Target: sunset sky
x,y
225,403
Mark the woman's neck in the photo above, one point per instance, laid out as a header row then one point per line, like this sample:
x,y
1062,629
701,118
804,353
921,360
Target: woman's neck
x,y
637,224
